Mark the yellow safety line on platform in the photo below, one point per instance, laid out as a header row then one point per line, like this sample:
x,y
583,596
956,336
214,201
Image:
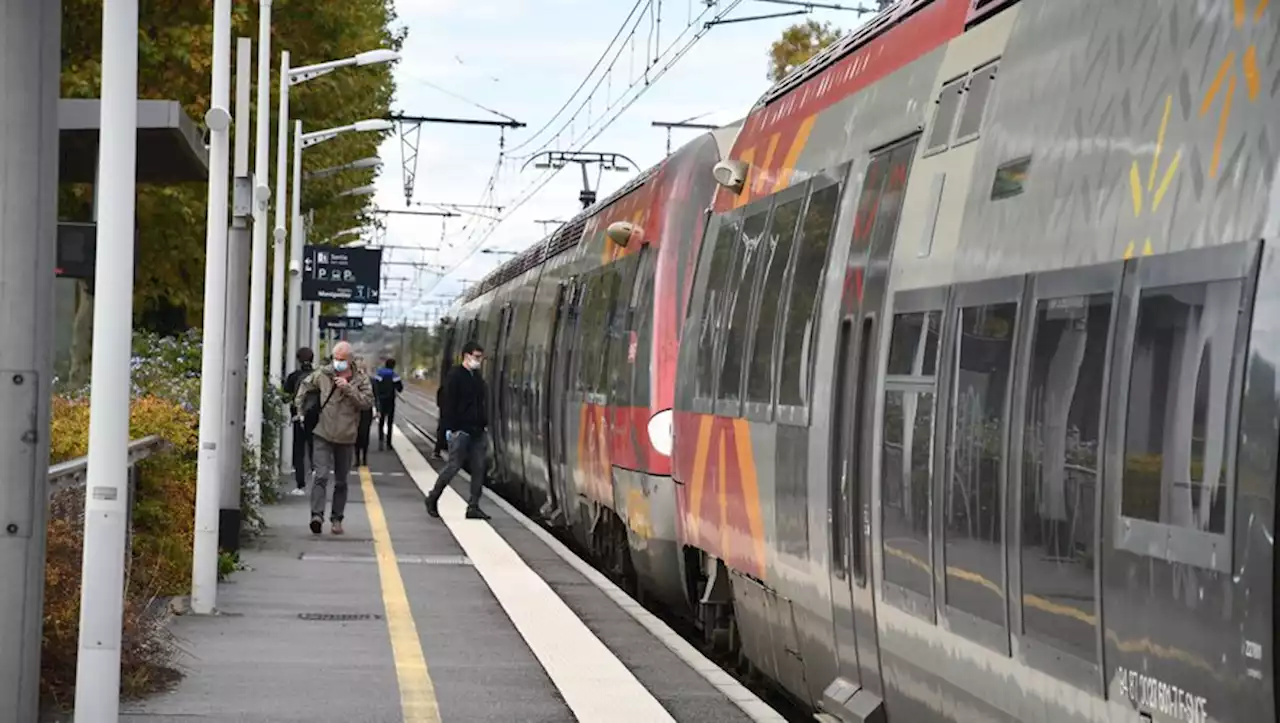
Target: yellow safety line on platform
x,y
417,693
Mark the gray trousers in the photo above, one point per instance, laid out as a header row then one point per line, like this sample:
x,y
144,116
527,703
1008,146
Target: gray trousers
x,y
466,451
330,459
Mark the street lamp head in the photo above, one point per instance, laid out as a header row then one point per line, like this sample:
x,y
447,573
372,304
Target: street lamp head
x,y
373,57
361,191
370,162
373,125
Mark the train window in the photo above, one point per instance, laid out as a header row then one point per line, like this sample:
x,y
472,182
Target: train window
x,y
738,302
906,470
1060,470
720,258
1177,428
888,206
799,334
776,254
620,362
973,519
944,115
976,99
907,354
864,220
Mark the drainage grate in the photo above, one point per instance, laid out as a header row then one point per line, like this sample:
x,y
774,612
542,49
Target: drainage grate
x,y
402,559
336,538
338,617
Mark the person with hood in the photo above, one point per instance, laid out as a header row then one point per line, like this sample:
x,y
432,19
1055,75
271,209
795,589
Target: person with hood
x,y
387,385
303,446
338,392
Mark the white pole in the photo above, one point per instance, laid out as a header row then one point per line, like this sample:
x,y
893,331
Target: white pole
x,y
277,268
236,341
296,334
204,576
258,284
29,67
106,513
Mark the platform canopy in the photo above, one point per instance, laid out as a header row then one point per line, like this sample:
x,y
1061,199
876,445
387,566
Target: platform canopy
x,y
171,148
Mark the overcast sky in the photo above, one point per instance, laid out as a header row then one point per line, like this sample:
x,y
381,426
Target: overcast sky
x,y
524,58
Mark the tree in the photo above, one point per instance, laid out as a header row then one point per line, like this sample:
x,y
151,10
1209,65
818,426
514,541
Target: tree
x,y
797,44
174,58
175,40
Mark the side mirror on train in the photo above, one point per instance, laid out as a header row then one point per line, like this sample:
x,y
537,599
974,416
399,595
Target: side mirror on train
x,y
621,232
731,174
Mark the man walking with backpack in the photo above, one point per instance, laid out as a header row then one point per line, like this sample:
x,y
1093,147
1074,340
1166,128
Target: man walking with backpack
x,y
338,392
303,447
464,421
387,386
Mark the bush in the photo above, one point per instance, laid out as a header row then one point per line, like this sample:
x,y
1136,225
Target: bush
x,y
163,516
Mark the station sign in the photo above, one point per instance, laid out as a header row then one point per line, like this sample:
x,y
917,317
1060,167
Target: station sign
x,y
342,323
341,273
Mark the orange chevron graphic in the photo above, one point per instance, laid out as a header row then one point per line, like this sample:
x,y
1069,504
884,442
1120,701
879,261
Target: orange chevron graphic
x,y
723,513
594,473
1227,73
775,171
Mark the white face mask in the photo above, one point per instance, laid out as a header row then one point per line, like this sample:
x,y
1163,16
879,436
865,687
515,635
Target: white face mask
x,y
471,363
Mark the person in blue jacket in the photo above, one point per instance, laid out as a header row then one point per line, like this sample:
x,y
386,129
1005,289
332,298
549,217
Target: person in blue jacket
x,y
386,385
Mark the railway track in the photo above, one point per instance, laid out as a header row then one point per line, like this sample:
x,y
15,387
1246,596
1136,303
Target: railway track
x,y
422,422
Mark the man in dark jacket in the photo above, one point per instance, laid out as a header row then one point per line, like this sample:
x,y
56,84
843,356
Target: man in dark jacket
x,y
464,421
386,385
303,445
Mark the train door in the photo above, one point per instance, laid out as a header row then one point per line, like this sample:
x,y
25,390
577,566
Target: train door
x,y
561,371
551,392
859,689
498,392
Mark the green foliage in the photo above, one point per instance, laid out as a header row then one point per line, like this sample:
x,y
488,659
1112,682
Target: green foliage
x,y
797,44
174,63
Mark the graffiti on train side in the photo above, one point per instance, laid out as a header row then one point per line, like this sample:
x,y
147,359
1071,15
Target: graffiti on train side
x,y
720,503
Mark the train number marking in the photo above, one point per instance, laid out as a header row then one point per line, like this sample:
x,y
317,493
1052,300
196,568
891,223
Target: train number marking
x,y
1154,694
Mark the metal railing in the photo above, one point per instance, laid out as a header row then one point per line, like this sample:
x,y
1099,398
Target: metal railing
x,y
72,474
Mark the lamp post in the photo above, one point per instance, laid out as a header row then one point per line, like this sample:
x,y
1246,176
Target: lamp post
x,y
258,266
290,77
204,582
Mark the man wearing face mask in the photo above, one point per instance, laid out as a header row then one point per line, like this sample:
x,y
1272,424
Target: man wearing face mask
x,y
462,416
342,392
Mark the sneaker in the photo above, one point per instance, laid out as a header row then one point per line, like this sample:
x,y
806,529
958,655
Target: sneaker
x,y
297,492
336,527
317,524
477,514
432,509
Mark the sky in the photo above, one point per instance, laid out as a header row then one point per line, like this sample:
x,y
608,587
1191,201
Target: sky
x,y
524,59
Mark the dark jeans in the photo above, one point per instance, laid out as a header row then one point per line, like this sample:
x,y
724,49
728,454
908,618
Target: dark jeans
x,y
469,451
362,436
304,448
331,459
385,422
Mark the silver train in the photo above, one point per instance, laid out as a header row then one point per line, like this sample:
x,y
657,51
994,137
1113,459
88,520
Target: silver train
x,y
943,387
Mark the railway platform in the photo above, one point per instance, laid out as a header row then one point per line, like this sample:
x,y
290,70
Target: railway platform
x,y
409,618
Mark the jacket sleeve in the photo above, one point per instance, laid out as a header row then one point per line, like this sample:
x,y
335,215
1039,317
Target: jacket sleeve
x,y
449,401
361,392
399,385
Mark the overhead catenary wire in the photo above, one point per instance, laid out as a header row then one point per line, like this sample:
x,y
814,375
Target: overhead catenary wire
x,y
590,134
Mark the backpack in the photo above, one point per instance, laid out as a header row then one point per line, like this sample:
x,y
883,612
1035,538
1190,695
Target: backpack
x,y
311,407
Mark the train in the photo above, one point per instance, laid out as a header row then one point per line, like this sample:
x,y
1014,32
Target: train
x,y
942,386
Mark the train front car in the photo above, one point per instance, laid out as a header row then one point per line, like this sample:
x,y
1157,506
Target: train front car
x,y
1015,458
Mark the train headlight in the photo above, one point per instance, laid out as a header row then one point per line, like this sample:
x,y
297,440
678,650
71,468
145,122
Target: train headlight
x,y
662,432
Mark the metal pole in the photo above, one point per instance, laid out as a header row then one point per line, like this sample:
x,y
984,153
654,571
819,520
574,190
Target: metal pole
x,y
237,333
296,338
258,283
204,576
29,71
106,512
276,369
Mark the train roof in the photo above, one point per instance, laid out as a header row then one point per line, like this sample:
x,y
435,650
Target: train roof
x,y
883,21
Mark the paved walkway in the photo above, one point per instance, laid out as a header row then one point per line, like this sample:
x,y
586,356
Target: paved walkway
x,y
406,618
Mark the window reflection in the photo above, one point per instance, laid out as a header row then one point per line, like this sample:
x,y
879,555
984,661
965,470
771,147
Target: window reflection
x,y
800,332
1060,470
1176,430
907,474
738,302
726,230
973,517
